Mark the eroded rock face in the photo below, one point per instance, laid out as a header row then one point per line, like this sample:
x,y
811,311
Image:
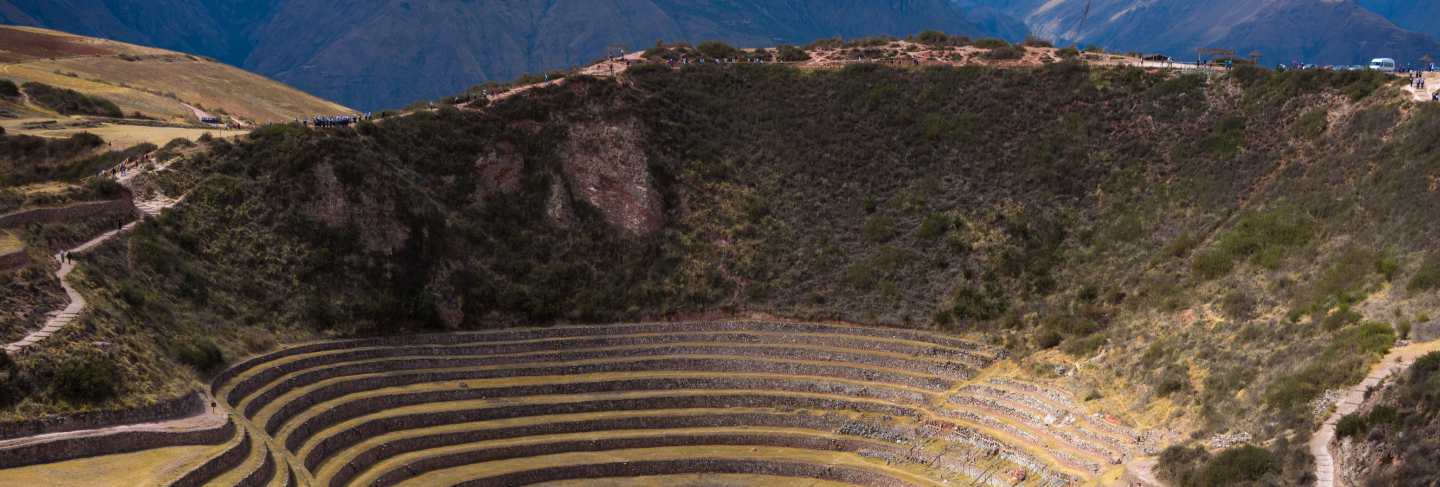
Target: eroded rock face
x,y
374,218
500,171
1424,332
606,167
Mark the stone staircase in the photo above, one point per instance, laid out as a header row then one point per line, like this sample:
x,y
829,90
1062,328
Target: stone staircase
x,y
58,320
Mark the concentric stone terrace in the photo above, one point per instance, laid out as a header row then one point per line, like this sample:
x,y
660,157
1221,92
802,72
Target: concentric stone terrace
x,y
748,402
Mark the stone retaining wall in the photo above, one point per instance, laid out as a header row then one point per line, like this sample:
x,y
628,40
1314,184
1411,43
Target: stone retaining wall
x,y
369,458
215,467
962,368
111,444
439,462
262,474
834,473
184,406
420,366
588,331
292,408
365,430
354,409
121,207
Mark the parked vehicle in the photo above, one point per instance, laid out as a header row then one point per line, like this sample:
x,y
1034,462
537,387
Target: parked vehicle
x,y
1384,64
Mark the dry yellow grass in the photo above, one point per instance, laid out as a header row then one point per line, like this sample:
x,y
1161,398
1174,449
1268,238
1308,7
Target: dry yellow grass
x,y
48,187
460,474
696,480
150,467
120,136
8,243
159,83
340,459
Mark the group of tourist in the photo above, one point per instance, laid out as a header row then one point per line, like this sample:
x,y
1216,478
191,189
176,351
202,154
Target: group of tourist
x,y
335,120
129,164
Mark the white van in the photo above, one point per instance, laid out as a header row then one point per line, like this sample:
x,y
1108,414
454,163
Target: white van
x,y
1383,64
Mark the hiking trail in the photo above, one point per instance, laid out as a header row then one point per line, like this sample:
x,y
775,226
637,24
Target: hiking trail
x,y
1397,360
58,320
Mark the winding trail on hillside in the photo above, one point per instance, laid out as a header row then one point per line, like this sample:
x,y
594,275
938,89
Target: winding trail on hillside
x,y
58,321
1397,360
199,114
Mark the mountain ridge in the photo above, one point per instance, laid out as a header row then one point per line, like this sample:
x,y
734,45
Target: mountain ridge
x,y
1332,31
389,53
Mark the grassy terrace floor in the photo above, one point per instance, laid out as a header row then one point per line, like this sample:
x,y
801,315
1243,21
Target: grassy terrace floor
x,y
694,480
460,474
150,467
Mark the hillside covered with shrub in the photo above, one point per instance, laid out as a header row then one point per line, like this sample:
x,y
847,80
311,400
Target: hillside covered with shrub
x,y
1401,428
1206,255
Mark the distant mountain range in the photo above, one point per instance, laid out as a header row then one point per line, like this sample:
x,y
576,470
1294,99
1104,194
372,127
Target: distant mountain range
x,y
385,53
1310,31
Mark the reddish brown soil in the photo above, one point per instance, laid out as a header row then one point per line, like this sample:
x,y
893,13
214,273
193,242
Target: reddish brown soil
x,y
20,45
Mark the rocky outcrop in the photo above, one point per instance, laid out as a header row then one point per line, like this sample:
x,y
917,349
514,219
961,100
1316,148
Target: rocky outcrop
x,y
606,167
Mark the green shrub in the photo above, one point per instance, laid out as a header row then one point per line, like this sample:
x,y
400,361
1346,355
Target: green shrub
x,y
792,54
1048,339
1068,53
982,304
860,276
1225,139
178,143
991,43
933,38
1178,464
1427,278
1237,466
1344,361
718,50
1313,123
71,102
1212,264
1032,41
1174,379
1084,346
1261,238
106,188
1005,53
202,354
8,89
1351,426
132,295
1425,367
961,128
1238,305
878,229
86,378
934,226
1382,415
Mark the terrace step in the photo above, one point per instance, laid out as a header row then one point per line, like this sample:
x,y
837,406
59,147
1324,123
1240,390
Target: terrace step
x,y
356,412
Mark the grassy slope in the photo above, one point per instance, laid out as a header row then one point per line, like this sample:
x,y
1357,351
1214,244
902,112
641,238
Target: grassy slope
x,y
1199,250
152,81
